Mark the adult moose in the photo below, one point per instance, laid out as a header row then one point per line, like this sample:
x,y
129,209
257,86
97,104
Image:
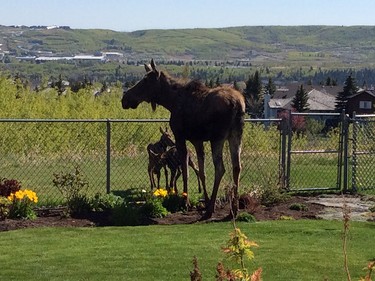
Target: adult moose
x,y
198,114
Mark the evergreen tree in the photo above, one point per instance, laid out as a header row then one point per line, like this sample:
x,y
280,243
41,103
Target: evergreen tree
x,y
217,82
270,87
350,88
300,100
254,95
59,86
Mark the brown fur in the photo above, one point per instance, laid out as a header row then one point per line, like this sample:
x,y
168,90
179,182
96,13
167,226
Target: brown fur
x,y
198,114
154,164
171,159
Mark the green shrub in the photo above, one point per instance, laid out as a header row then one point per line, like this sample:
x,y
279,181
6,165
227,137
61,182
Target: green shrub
x,y
153,208
372,209
245,217
132,194
125,214
174,203
79,205
271,194
286,218
298,207
4,207
105,202
71,185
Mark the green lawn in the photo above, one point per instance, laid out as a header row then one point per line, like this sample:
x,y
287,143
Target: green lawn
x,y
288,250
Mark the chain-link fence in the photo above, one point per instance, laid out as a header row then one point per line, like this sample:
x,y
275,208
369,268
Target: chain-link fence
x,y
112,154
363,152
314,152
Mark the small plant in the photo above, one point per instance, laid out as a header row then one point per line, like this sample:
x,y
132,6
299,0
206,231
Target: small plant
x,y
372,209
71,186
153,208
298,207
79,205
286,218
345,236
4,207
22,202
196,274
174,203
9,186
125,214
370,268
238,248
105,202
246,217
271,193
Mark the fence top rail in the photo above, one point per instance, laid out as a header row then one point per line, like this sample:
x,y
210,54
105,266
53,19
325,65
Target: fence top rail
x,y
81,120
20,120
263,120
364,116
316,113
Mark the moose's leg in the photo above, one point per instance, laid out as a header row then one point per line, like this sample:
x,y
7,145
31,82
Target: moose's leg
x,y
151,176
235,153
200,156
182,152
175,174
196,171
178,174
167,186
217,157
157,172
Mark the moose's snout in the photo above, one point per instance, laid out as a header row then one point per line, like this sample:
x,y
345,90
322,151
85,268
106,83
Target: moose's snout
x,y
127,102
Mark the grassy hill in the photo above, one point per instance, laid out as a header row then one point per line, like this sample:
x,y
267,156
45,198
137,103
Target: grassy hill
x,y
266,45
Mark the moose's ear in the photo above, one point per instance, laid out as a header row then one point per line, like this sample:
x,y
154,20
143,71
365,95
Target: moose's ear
x,y
148,67
153,65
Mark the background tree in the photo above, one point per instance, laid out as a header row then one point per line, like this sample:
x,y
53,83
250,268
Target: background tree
x,y
254,95
186,71
300,100
350,88
270,87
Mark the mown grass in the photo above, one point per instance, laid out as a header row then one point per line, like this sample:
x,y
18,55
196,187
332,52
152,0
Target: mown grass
x,y
288,250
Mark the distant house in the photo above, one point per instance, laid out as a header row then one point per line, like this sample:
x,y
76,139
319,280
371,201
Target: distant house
x,y
363,102
322,99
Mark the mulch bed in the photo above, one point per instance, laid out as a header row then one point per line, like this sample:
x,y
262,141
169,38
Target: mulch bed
x,y
55,217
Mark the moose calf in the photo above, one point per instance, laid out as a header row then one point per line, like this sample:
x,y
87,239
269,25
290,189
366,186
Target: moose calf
x,y
154,163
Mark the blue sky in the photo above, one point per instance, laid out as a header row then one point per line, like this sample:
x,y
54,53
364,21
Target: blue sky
x,y
130,15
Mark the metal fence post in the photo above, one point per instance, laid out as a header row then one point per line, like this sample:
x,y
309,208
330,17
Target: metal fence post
x,y
108,156
289,147
284,132
354,154
343,152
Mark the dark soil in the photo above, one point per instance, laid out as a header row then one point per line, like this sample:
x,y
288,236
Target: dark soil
x,y
56,218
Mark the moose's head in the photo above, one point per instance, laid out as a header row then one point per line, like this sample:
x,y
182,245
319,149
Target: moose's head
x,y
145,90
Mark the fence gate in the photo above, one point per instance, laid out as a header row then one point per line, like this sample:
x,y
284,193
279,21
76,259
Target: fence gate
x,y
314,161
363,153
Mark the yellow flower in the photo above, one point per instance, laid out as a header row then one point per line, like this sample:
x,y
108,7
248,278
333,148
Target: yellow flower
x,y
20,194
160,192
31,195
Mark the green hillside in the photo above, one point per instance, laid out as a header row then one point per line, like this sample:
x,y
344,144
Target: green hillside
x,y
269,45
